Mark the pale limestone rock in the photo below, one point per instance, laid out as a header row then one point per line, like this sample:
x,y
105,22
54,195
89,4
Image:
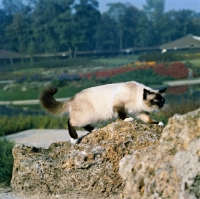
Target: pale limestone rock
x,y
126,160
170,169
86,170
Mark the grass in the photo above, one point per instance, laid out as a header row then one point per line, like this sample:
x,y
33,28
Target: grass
x,y
6,162
195,62
147,77
14,124
63,92
117,61
19,95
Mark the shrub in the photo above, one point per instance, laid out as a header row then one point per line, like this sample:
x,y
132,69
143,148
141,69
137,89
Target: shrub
x,y
6,162
10,125
176,70
64,79
147,76
159,57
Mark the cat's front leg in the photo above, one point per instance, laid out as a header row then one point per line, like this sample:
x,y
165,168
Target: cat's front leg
x,y
146,117
122,114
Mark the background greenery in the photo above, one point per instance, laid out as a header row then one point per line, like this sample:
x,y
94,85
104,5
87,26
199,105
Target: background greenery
x,y
6,162
48,26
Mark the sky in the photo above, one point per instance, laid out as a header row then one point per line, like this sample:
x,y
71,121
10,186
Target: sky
x,y
169,4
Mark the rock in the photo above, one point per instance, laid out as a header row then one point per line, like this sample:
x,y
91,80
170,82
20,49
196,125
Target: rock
x,y
129,160
87,170
170,169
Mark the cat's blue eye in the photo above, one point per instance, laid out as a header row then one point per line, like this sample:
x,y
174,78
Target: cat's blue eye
x,y
155,100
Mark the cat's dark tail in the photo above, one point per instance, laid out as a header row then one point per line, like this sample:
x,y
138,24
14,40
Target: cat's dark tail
x,y
49,103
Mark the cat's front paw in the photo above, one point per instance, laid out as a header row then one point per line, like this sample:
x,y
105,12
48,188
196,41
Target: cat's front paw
x,y
128,119
161,124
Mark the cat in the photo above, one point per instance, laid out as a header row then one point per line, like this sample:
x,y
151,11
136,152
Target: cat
x,y
104,102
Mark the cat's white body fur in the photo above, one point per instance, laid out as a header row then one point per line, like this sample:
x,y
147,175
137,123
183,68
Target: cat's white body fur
x,y
105,102
96,103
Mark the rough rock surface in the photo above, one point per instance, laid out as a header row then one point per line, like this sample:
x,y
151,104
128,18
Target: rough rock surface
x,y
87,170
169,170
129,160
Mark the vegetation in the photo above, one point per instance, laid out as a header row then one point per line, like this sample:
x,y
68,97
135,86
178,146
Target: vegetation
x,y
44,26
147,77
6,162
29,85
10,125
48,26
14,124
169,56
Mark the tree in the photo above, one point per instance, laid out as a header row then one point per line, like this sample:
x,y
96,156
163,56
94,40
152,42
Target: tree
x,y
21,27
43,16
12,6
154,10
4,21
196,24
181,23
116,11
86,20
107,35
134,23
63,25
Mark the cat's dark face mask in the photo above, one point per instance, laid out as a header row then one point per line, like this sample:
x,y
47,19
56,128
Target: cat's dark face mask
x,y
158,100
155,99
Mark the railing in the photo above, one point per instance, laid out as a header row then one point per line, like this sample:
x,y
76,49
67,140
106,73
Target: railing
x,y
26,102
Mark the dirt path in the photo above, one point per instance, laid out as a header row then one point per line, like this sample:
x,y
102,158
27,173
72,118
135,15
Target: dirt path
x,y
42,137
7,194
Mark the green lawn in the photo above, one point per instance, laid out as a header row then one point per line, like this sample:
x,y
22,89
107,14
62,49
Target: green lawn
x,y
117,61
6,162
34,94
18,95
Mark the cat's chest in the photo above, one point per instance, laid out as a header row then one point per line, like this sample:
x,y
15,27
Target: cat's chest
x,y
133,108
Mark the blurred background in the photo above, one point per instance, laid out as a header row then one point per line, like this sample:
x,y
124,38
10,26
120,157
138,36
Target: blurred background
x,y
75,44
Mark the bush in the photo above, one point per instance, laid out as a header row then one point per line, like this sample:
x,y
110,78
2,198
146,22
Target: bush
x,y
168,56
51,63
147,77
10,125
64,79
6,162
176,70
159,57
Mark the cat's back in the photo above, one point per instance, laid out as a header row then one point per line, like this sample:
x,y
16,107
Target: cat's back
x,y
100,90
104,91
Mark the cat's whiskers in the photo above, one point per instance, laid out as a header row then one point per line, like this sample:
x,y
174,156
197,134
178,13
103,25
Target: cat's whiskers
x,y
167,110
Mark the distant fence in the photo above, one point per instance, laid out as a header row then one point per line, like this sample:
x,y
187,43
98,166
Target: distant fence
x,y
26,102
182,82
7,82
11,55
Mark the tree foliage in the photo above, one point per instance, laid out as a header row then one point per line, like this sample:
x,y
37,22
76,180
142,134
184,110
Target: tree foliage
x,y
49,26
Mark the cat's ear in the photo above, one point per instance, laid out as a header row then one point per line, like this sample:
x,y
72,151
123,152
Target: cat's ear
x,y
162,90
145,93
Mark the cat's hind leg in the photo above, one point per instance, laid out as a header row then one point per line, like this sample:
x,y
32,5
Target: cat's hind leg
x,y
72,133
88,128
